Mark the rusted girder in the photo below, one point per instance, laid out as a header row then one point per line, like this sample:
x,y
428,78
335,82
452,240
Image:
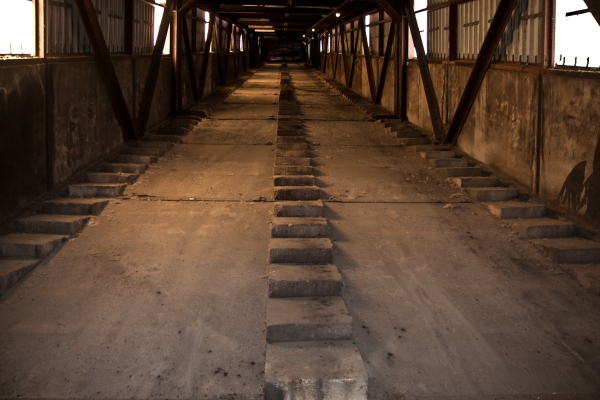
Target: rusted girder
x,y
152,77
484,58
90,22
367,54
386,62
594,7
206,55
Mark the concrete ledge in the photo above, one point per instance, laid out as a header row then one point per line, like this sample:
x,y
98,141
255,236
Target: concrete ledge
x,y
97,189
570,251
296,193
473,182
112,177
299,209
315,370
299,227
493,194
300,251
453,172
294,180
282,170
304,319
75,206
299,161
127,168
287,280
437,154
517,209
540,228
26,245
12,271
51,224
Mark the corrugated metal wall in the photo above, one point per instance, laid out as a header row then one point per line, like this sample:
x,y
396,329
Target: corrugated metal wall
x,y
521,40
67,35
437,31
143,27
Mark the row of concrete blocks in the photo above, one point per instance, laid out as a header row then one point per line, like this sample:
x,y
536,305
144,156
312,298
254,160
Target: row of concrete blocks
x,y
309,329
555,237
373,110
38,235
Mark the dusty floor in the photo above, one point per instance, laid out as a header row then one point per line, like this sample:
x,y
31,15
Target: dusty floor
x,y
163,295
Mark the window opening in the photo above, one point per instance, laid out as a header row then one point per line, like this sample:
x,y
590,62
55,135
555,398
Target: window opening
x,y
574,35
17,28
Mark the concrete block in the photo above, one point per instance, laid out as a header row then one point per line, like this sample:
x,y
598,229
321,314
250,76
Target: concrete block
x,y
570,251
296,193
298,161
289,111
415,141
291,139
112,177
289,132
130,159
304,280
517,209
152,137
292,146
305,319
539,228
51,224
454,172
70,206
191,120
294,180
493,194
12,271
172,131
143,151
429,147
299,209
27,245
282,170
407,134
299,227
473,182
154,145
97,190
428,155
449,162
292,153
315,370
300,251
125,168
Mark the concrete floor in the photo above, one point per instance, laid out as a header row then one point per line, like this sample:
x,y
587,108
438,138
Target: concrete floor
x,y
163,295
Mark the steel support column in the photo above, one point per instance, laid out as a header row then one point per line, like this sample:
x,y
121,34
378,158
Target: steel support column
x,y
89,19
486,53
152,77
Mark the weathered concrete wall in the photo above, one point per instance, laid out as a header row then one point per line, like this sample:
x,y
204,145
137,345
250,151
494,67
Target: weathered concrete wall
x,y
570,145
60,107
23,170
84,126
504,129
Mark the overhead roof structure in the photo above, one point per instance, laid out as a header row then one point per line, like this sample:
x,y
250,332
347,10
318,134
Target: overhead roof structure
x,y
285,19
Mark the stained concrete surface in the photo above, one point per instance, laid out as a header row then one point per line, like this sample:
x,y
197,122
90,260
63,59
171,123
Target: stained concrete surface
x,y
446,301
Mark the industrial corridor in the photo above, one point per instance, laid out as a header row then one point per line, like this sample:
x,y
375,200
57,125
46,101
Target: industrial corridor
x,y
288,247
